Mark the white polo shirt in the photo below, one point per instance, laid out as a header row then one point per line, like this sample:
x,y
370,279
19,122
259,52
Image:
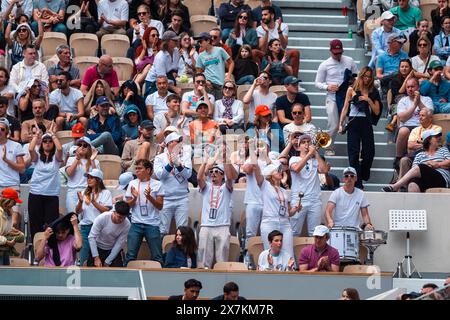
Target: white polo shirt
x,y
348,206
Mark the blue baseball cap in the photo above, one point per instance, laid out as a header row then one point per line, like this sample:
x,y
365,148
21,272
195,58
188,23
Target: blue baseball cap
x,y
102,100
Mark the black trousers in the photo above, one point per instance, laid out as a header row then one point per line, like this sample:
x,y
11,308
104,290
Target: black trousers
x,y
429,178
103,254
42,210
360,142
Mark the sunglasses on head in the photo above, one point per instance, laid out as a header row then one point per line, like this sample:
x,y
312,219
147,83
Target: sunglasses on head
x,y
83,145
349,175
215,171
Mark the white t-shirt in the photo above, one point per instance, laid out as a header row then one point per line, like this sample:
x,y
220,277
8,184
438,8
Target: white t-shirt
x,y
8,176
90,212
259,99
193,99
9,89
78,180
273,33
45,179
275,203
348,206
153,23
419,65
117,10
405,103
307,128
306,181
252,191
143,211
279,262
216,205
66,103
159,103
160,123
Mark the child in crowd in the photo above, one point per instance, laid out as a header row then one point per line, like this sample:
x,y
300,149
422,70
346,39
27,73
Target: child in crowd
x,y
245,69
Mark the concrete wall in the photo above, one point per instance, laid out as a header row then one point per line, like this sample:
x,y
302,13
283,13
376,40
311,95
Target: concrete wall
x,y
430,249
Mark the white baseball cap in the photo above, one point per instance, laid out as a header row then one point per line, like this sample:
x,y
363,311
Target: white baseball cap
x,y
97,173
350,170
124,179
174,136
429,133
320,231
269,169
387,15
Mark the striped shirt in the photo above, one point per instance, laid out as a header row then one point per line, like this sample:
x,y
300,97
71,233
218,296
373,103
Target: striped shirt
x,y
441,155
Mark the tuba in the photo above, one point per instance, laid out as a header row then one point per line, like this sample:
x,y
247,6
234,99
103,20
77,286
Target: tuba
x,y
322,139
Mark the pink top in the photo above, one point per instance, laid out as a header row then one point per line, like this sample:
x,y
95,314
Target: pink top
x,y
311,256
67,253
92,75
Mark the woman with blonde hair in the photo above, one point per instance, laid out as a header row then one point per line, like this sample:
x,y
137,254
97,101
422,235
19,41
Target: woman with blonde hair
x,y
421,62
98,89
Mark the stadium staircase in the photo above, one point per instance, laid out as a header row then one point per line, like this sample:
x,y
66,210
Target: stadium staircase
x,y
312,24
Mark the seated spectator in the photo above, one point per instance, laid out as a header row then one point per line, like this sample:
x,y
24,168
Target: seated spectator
x,y
408,16
103,70
422,30
429,168
156,102
427,288
88,16
177,23
380,36
242,33
230,292
32,90
319,256
188,56
62,240
132,118
276,62
203,130
166,12
7,91
112,17
20,38
64,64
275,258
263,128
152,4
257,12
350,294
260,96
70,103
441,46
275,29
229,111
98,89
172,117
421,62
14,124
415,143
408,109
191,99
227,14
192,287
133,148
183,252
68,150
328,181
129,95
389,62
145,20
50,14
104,129
298,124
108,235
165,64
28,68
12,163
38,109
284,103
442,10
24,7
145,54
214,72
437,88
245,69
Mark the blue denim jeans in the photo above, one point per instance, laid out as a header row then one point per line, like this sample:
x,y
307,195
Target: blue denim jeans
x,y
153,237
106,140
85,251
59,27
246,80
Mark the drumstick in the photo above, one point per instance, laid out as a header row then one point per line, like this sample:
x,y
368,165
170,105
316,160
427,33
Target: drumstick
x,y
300,196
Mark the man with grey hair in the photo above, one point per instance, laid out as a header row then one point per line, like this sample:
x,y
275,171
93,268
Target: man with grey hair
x,y
65,64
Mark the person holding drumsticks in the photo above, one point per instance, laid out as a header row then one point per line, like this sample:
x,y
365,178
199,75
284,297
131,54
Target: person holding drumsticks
x,y
347,202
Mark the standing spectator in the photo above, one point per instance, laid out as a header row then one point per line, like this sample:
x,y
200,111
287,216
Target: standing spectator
x,y
103,70
259,94
330,77
50,14
216,36
212,62
191,99
172,117
408,16
229,111
177,23
38,106
167,10
350,294
276,258
227,14
242,33
112,17
28,68
173,168
45,185
437,88
145,196
76,169
7,91
364,105
77,133
14,124
11,163
145,21
192,289
285,102
421,31
441,45
276,62
443,10
257,12
157,101
230,292
104,129
183,252
145,54
70,103
108,235
65,64
16,8
263,128
188,56
298,125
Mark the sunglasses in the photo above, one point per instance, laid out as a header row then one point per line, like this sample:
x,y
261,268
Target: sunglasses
x,y
34,86
142,13
349,176
423,45
47,141
295,113
214,37
243,17
215,171
228,88
83,145
3,129
153,35
200,81
22,30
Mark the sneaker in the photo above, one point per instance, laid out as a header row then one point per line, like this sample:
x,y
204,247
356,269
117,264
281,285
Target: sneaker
x,y
387,189
330,153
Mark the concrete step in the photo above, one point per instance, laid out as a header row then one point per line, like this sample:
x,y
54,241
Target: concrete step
x,y
321,42
382,149
377,175
314,4
337,27
378,162
336,12
331,34
323,52
320,120
319,17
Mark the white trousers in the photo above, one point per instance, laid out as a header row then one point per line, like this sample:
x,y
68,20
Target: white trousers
x,y
333,119
253,214
284,226
178,208
312,211
213,242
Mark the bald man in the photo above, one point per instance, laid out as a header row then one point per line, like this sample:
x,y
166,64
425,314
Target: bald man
x,y
103,70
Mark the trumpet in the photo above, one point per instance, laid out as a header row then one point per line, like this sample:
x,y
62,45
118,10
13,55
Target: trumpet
x,y
322,139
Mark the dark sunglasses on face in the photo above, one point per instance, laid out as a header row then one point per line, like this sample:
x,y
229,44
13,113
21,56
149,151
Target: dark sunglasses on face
x,y
296,113
349,176
423,45
243,17
228,88
153,35
83,145
142,13
215,171
34,86
214,37
3,129
200,81
22,30
47,141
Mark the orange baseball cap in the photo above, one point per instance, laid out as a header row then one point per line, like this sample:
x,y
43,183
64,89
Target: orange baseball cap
x,y
78,130
263,110
10,193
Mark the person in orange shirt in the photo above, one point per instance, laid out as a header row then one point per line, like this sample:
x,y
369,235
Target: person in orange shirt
x,y
203,129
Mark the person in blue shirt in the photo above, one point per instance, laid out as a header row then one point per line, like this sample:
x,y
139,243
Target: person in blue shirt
x,y
183,252
389,61
131,121
437,88
441,45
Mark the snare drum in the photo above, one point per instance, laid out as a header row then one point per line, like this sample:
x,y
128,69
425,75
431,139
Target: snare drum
x,y
346,241
373,237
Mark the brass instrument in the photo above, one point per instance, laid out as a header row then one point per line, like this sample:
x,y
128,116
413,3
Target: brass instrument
x,y
322,139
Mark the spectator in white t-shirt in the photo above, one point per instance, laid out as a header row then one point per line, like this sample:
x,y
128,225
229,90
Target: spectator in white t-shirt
x,y
156,102
11,160
191,99
298,124
136,32
347,203
275,258
112,17
94,200
172,117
